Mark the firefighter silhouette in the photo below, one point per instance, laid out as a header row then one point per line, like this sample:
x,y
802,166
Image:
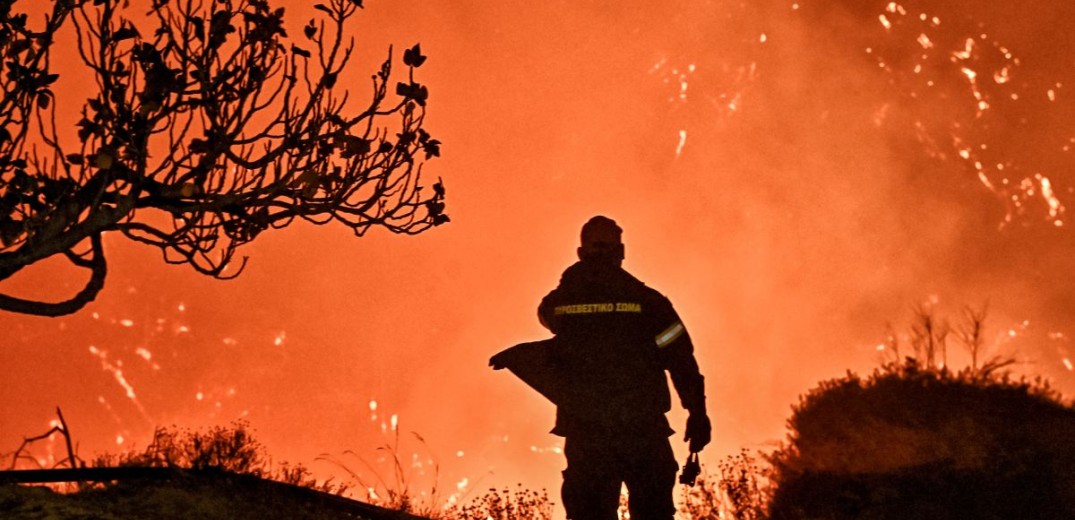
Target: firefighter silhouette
x,y
604,369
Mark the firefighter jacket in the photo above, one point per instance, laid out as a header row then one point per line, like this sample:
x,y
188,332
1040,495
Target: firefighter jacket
x,y
615,338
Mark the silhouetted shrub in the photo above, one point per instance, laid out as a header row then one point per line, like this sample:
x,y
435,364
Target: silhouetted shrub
x,y
913,441
739,492
226,449
522,504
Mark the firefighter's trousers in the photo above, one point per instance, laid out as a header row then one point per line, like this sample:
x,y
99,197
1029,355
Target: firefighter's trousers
x,y
597,465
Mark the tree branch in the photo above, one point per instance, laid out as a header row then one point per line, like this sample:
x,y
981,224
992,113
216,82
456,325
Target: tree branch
x,y
98,270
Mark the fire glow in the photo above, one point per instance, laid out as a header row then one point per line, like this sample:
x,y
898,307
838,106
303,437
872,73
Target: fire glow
x,y
789,189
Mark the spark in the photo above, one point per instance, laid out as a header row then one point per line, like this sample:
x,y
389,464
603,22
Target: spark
x,y
182,307
144,353
279,340
885,22
230,342
1052,94
552,449
395,422
657,66
119,439
459,453
733,105
682,141
126,323
1055,208
1068,365
972,77
117,373
199,396
924,41
462,484
1001,76
763,38
968,50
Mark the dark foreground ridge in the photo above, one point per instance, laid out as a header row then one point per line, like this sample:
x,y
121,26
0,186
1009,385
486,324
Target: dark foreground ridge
x,y
171,493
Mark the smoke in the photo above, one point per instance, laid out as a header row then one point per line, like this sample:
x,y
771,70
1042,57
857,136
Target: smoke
x,y
773,178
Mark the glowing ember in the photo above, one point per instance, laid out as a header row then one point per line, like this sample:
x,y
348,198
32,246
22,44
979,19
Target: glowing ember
x,y
682,141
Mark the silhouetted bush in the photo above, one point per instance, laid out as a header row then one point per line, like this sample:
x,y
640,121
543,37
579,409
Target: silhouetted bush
x,y
522,504
225,449
915,441
740,492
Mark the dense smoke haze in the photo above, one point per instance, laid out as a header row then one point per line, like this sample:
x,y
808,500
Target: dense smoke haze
x,y
794,176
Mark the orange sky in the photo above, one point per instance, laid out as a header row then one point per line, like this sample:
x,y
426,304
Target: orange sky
x,y
781,171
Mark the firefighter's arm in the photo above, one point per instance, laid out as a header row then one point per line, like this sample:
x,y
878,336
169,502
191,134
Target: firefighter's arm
x,y
677,351
690,385
686,377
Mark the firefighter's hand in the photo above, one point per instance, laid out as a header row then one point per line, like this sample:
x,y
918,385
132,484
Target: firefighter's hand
x,y
496,363
698,431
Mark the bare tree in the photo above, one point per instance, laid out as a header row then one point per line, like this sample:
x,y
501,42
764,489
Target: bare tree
x,y
204,127
929,337
971,333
